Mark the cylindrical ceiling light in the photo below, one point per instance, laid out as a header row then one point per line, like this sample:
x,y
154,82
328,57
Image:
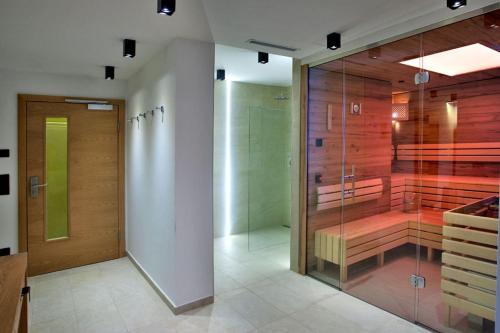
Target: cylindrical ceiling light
x,y
333,41
263,58
129,48
110,72
166,7
221,75
455,4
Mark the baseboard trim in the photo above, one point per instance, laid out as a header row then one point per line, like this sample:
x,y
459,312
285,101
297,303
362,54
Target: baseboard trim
x,y
177,310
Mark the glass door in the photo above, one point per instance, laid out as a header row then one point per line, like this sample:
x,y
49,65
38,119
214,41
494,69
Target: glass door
x,y
380,221
363,226
325,180
269,186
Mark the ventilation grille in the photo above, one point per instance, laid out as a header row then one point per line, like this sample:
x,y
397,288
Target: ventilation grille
x,y
400,111
274,46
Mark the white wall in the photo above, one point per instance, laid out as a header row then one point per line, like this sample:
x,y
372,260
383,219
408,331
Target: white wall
x,y
169,171
12,83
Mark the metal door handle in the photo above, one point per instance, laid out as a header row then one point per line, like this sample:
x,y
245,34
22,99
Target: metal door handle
x,y
35,186
351,177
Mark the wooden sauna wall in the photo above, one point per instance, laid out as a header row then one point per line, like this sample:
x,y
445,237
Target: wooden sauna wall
x,y
478,120
368,144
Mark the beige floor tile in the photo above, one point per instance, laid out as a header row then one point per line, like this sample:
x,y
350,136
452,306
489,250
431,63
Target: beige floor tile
x,y
91,297
140,311
51,307
66,324
254,309
218,317
102,320
350,309
285,325
320,320
277,294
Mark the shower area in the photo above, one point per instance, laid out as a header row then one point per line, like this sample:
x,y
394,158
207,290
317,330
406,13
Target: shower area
x,y
252,193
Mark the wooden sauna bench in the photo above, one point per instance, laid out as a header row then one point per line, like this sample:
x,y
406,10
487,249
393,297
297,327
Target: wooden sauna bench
x,y
372,236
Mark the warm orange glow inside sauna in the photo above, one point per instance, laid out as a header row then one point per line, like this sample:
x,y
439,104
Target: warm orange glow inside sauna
x,y
407,188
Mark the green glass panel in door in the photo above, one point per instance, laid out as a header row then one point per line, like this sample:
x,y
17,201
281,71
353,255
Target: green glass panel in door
x,y
56,177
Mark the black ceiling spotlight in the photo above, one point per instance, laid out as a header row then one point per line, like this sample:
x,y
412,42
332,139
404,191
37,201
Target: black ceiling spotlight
x,y
221,75
129,48
263,58
166,7
110,72
333,41
455,4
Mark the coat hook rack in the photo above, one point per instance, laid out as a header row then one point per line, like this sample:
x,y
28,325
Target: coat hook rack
x,y
144,115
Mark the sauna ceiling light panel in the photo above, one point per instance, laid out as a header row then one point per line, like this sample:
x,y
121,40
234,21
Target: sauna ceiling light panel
x,y
462,60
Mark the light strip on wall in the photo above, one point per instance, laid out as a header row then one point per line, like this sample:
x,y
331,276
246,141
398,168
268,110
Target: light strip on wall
x,y
227,164
462,60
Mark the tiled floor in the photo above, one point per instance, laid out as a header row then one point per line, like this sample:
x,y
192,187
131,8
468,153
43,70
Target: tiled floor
x,y
255,292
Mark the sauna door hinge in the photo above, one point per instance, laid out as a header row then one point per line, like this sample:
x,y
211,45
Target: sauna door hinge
x,y
422,77
417,281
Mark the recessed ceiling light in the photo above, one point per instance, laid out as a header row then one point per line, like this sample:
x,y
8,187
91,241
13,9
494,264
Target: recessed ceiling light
x,y
166,7
462,60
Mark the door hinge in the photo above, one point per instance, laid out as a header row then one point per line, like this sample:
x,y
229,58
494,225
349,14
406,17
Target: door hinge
x,y
417,281
118,127
422,77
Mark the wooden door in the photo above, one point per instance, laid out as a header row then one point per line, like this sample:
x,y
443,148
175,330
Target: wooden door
x,y
73,207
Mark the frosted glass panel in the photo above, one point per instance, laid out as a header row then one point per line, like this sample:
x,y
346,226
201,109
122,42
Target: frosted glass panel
x,y
56,177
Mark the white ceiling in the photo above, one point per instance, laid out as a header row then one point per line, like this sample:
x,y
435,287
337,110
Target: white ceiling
x,y
241,65
304,24
81,36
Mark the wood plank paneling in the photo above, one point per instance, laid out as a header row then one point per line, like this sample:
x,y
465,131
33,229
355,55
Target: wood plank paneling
x,y
473,125
371,157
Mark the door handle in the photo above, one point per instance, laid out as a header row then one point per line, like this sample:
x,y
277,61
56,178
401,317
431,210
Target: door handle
x,y
352,178
35,186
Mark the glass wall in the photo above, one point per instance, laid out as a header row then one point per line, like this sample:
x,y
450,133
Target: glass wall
x,y
403,175
252,190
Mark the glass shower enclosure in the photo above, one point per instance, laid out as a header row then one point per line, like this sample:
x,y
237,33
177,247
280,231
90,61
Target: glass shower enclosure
x,y
252,189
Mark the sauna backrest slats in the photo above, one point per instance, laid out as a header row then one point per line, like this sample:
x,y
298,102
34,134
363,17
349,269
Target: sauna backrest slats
x,y
450,152
444,193
330,196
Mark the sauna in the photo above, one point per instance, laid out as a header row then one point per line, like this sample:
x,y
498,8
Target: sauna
x,y
403,168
